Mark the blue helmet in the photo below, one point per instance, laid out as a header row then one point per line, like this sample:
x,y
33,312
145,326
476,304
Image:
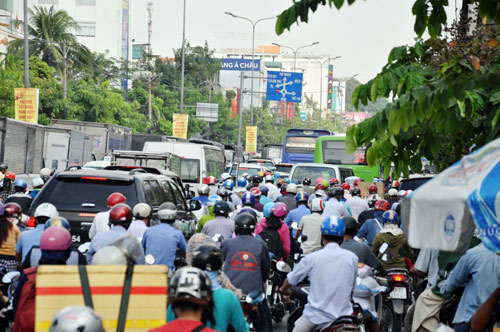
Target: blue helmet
x,y
212,199
301,197
228,184
242,182
267,209
264,189
248,199
277,175
287,180
333,226
21,184
391,217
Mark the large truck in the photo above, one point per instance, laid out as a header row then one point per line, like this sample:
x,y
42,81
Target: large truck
x,y
105,137
64,148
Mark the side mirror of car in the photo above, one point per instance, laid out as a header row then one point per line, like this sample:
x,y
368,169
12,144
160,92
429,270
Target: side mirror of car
x,y
194,205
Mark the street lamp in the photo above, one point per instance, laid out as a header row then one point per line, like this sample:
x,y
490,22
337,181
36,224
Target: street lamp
x,y
183,53
253,53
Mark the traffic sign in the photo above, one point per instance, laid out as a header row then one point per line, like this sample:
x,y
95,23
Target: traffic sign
x,y
284,86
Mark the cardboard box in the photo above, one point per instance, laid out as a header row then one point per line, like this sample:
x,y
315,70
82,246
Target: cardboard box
x,y
58,286
364,188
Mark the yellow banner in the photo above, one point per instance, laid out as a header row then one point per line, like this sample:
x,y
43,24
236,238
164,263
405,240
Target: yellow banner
x,y
180,125
251,139
26,105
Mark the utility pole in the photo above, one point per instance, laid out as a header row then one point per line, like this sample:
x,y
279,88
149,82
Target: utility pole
x,y
240,107
26,47
148,58
182,61
65,70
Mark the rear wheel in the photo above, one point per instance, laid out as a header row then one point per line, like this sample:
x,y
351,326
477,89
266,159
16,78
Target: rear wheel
x,y
398,321
387,318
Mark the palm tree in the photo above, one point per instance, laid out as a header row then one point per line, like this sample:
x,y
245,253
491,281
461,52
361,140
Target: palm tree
x,y
52,39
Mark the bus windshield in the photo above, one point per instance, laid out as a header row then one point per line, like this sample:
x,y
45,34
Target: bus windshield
x,y
300,144
334,152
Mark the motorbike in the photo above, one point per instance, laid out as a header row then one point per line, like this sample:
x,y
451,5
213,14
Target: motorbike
x,y
10,281
276,278
249,304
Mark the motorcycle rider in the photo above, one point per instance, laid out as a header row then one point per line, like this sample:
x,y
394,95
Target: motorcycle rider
x,y
275,221
264,191
248,202
3,170
325,303
270,183
373,226
310,225
212,181
142,216
221,224
302,209
255,181
361,250
367,214
7,186
203,192
20,196
210,215
37,184
229,185
274,195
306,186
226,197
100,223
258,205
393,196
289,199
161,241
333,207
356,203
241,187
319,192
398,248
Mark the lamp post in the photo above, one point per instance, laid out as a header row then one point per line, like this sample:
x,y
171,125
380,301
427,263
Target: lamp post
x,y
253,54
26,47
295,50
182,61
343,79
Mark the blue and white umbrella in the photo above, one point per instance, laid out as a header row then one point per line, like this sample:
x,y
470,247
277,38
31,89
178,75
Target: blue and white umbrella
x,y
444,212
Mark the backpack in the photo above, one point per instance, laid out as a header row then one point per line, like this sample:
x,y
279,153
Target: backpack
x,y
273,240
24,320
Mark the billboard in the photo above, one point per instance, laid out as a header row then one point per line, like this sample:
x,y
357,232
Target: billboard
x,y
26,105
338,96
137,50
180,125
251,139
240,64
330,87
125,29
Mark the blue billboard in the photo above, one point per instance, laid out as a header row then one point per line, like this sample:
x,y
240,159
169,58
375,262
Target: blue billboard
x,y
240,64
284,86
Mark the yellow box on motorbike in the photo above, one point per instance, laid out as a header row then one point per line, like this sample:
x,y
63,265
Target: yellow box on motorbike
x,y
59,286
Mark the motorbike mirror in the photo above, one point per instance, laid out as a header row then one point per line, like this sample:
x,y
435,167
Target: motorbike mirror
x,y
283,267
11,276
295,225
304,238
83,248
150,259
194,205
384,257
383,248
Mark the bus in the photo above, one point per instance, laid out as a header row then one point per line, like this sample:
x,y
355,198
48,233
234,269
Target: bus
x,y
332,150
299,145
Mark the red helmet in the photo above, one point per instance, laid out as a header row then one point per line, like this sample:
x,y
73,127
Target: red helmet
x,y
10,175
211,180
120,214
346,186
372,189
334,181
320,186
395,184
13,210
356,182
382,205
256,192
116,198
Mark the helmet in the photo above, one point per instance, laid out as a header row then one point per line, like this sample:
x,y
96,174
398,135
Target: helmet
x,y
3,167
356,182
115,198
55,238
221,208
111,255
334,181
207,257
390,216
203,189
264,189
37,183
10,175
244,223
142,211
256,179
291,188
382,205
346,186
248,199
223,192
260,173
325,183
211,180
121,213
267,209
336,192
356,191
269,178
393,192
279,210
401,193
280,182
242,182
46,210
317,205
212,199
249,210
320,186
301,197
19,183
57,222
45,172
228,184
224,177
306,181
13,210
167,212
409,192
333,226
76,319
287,180
372,189
277,175
318,180
189,284
349,222
395,184
255,191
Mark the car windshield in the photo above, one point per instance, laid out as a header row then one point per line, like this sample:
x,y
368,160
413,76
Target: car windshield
x,y
190,170
313,172
283,168
249,170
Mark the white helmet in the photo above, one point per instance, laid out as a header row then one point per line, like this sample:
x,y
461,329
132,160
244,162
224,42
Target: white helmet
x,y
142,210
46,210
393,192
76,319
167,212
224,176
204,189
190,284
37,182
45,171
291,188
317,205
402,193
111,255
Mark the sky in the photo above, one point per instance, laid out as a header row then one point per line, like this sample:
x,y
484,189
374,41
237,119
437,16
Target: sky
x,y
362,34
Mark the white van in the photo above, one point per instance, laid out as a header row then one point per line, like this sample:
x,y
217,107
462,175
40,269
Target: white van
x,y
198,161
315,170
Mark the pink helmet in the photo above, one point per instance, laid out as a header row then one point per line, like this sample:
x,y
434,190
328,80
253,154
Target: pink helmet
x,y
318,180
279,210
55,238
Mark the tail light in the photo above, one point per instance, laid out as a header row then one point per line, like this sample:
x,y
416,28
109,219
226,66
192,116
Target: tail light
x,y
246,308
398,277
31,222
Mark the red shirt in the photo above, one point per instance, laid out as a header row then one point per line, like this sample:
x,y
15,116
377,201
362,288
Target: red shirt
x,y
181,325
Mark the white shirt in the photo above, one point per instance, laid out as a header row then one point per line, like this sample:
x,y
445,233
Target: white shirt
x,y
274,195
100,224
330,293
137,228
334,208
271,186
357,205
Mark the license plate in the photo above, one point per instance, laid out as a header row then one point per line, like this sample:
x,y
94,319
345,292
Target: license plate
x,y
398,293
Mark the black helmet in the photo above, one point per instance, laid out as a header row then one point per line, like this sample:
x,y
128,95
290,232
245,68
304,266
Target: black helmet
x,y
256,179
207,257
337,192
221,208
349,222
244,223
356,191
3,167
306,181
